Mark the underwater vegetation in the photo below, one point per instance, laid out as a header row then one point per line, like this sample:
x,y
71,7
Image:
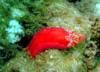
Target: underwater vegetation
x,y
22,20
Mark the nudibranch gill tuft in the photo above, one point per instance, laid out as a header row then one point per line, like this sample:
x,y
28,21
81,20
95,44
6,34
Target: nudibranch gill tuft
x,y
53,37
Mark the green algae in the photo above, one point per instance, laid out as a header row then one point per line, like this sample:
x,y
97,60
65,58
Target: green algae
x,y
35,14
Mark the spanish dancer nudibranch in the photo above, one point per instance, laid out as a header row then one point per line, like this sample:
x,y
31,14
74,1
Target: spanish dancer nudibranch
x,y
53,37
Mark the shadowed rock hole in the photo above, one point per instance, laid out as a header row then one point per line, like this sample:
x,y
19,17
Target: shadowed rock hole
x,y
24,41
74,1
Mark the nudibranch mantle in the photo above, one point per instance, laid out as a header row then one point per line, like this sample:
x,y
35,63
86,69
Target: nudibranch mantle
x,y
53,37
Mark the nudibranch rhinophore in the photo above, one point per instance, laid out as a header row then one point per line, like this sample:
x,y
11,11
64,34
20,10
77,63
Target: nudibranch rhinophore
x,y
53,37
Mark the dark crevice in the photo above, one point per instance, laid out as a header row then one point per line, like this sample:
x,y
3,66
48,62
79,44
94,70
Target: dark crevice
x,y
98,54
74,1
24,41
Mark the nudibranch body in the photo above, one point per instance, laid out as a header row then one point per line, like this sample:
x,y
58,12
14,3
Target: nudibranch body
x,y
53,37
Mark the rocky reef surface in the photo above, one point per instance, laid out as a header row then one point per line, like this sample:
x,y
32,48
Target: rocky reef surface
x,y
19,21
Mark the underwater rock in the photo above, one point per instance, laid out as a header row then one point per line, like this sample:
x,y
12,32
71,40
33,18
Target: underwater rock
x,y
60,13
97,68
95,28
21,63
89,53
53,13
49,61
57,61
89,7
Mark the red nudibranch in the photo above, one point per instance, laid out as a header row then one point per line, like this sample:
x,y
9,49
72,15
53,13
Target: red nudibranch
x,y
53,37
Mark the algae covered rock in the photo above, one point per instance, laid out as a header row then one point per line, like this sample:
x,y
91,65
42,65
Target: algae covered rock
x,y
21,63
97,68
53,13
95,28
49,61
60,13
57,61
89,7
